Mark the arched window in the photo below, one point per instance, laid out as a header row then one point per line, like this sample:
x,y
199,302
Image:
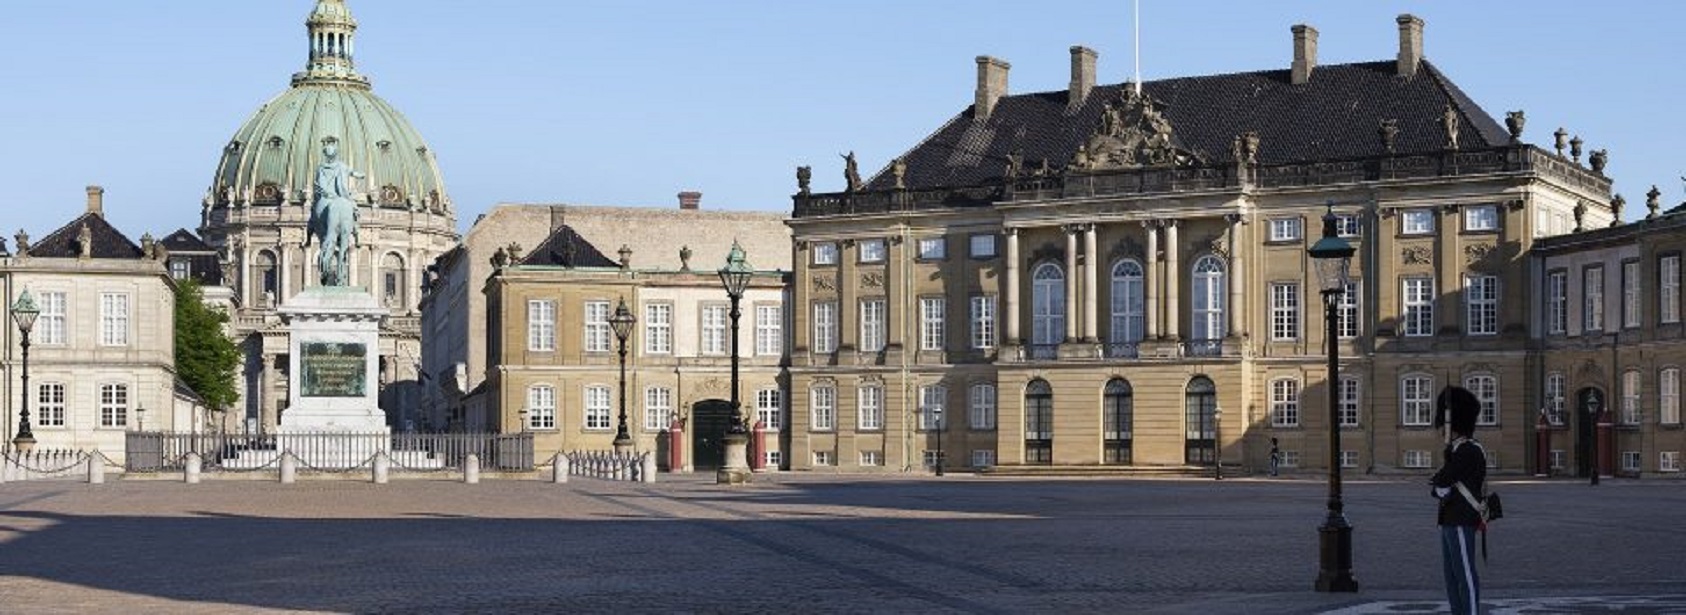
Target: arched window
x,y
1128,306
1039,422
1047,294
392,280
268,276
1200,436
1118,420
1208,293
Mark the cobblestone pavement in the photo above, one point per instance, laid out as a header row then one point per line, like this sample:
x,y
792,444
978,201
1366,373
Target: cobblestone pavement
x,y
813,544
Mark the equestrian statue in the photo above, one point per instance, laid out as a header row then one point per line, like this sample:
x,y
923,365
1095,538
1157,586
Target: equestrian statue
x,y
333,218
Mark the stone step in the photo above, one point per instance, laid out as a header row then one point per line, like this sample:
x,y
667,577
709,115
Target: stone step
x,y
1103,470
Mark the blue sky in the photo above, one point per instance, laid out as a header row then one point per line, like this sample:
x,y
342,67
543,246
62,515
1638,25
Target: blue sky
x,y
627,103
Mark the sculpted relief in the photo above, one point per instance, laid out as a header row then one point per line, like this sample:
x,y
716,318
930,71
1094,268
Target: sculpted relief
x,y
1133,133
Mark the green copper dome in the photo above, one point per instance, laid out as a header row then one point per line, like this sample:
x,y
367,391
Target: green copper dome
x,y
271,158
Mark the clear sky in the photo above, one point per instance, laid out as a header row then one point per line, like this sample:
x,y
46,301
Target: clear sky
x,y
619,102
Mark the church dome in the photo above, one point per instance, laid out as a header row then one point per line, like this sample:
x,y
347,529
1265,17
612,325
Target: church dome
x,y
272,157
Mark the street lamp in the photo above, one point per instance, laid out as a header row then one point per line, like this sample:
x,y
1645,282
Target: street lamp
x,y
1217,443
24,313
1593,405
937,416
1332,257
735,277
622,323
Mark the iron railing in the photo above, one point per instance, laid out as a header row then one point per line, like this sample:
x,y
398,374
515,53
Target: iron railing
x,y
167,451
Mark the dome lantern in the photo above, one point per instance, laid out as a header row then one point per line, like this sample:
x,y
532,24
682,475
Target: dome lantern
x,y
332,32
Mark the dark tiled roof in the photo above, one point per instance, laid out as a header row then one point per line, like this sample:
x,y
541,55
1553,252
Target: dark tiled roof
x,y
107,241
566,248
1334,116
184,241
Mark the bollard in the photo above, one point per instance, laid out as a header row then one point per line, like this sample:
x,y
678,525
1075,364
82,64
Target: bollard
x,y
194,466
471,469
649,472
383,465
96,468
559,469
289,468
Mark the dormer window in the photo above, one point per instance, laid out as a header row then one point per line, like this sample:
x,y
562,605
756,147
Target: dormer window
x,y
233,147
386,146
276,142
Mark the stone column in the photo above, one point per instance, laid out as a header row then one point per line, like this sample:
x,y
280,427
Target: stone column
x,y
894,254
1071,298
1152,278
268,408
1237,279
848,299
1173,273
1091,272
246,274
1011,292
284,260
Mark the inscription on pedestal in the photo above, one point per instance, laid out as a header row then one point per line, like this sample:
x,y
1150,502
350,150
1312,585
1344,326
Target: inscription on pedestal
x,y
332,369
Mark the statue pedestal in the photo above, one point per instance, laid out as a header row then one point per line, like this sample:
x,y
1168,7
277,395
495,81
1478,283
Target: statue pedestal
x,y
334,362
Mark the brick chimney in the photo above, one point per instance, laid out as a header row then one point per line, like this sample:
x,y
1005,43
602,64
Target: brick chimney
x,y
1410,44
1082,74
690,200
1305,53
96,201
992,85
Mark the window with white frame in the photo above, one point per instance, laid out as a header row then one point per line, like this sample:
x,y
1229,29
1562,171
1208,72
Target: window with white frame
x,y
49,405
658,408
1481,218
1047,305
1555,385
1557,302
825,327
1416,221
1417,459
1668,396
933,248
1486,390
658,328
1492,460
1668,461
1668,289
931,322
983,322
114,319
52,324
597,332
1346,225
1128,303
871,250
1286,229
1349,459
1349,402
541,406
1416,400
1290,458
872,325
823,408
114,405
769,409
1559,459
1208,290
1347,307
872,459
1284,402
933,399
930,458
825,253
1630,294
541,325
983,246
1418,318
1592,290
769,330
1630,397
713,341
981,407
774,459
597,407
983,458
824,458
870,407
1481,303
179,268
1284,311
1630,461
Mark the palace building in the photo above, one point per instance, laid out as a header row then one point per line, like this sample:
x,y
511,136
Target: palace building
x,y
1118,274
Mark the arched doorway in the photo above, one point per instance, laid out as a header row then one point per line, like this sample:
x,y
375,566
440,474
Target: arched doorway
x,y
1117,418
709,420
1199,442
1588,403
1039,423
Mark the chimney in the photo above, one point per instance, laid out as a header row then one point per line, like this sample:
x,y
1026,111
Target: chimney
x,y
1082,75
1305,53
1410,44
992,85
689,200
96,201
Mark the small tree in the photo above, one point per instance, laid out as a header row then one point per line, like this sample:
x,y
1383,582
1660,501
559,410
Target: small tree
x,y
205,358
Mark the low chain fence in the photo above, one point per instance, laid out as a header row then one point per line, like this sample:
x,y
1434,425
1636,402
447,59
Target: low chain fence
x,y
45,464
609,465
327,451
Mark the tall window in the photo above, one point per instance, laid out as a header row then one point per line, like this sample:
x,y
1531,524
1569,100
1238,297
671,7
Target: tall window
x,y
1630,294
1592,289
870,399
1630,397
872,325
713,329
114,405
933,399
1117,421
1418,318
597,331
49,405
392,280
1284,402
1416,400
1208,292
1047,300
1039,422
983,322
597,407
658,328
769,330
1555,385
269,280
981,407
823,410
1284,311
769,409
1668,396
114,319
1347,308
1481,303
1128,304
931,323
1557,302
541,325
1349,402
52,325
1486,390
541,406
1668,287
658,408
825,327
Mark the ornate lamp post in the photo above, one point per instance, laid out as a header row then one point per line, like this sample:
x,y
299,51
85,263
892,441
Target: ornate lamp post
x,y
1333,259
622,322
1593,405
735,277
1217,443
937,415
24,312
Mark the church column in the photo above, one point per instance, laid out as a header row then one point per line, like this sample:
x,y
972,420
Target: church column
x,y
1152,274
1091,268
1012,289
284,253
268,408
246,274
1071,299
1173,274
1237,279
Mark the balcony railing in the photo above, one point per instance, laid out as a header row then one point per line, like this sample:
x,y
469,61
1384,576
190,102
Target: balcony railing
x,y
1044,352
1204,348
1123,350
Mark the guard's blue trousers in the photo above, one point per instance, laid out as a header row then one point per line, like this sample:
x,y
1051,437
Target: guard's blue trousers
x,y
1463,581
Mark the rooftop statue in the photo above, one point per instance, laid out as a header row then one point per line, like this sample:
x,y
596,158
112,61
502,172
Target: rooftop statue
x,y
333,218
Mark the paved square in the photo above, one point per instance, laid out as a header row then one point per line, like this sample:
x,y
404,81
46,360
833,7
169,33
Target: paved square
x,y
811,544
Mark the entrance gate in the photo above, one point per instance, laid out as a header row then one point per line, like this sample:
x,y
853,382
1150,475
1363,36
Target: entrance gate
x,y
709,420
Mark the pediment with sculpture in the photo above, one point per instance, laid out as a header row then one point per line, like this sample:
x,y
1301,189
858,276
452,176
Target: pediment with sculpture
x,y
1133,133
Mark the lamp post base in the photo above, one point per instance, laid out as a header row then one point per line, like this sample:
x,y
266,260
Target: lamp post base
x,y
623,447
1335,548
25,443
736,469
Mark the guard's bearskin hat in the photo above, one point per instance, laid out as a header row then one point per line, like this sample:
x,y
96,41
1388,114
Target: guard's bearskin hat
x,y
1461,405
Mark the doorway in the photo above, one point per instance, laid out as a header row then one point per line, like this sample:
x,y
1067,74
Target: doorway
x,y
709,420
1588,402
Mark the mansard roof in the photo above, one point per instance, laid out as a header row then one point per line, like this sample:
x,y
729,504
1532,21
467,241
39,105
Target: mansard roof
x,y
183,241
566,248
107,241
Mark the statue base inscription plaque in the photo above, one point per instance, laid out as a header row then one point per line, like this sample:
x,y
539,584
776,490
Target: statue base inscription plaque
x,y
334,350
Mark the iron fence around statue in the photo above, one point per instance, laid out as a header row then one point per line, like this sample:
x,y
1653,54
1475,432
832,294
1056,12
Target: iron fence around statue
x,y
235,452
